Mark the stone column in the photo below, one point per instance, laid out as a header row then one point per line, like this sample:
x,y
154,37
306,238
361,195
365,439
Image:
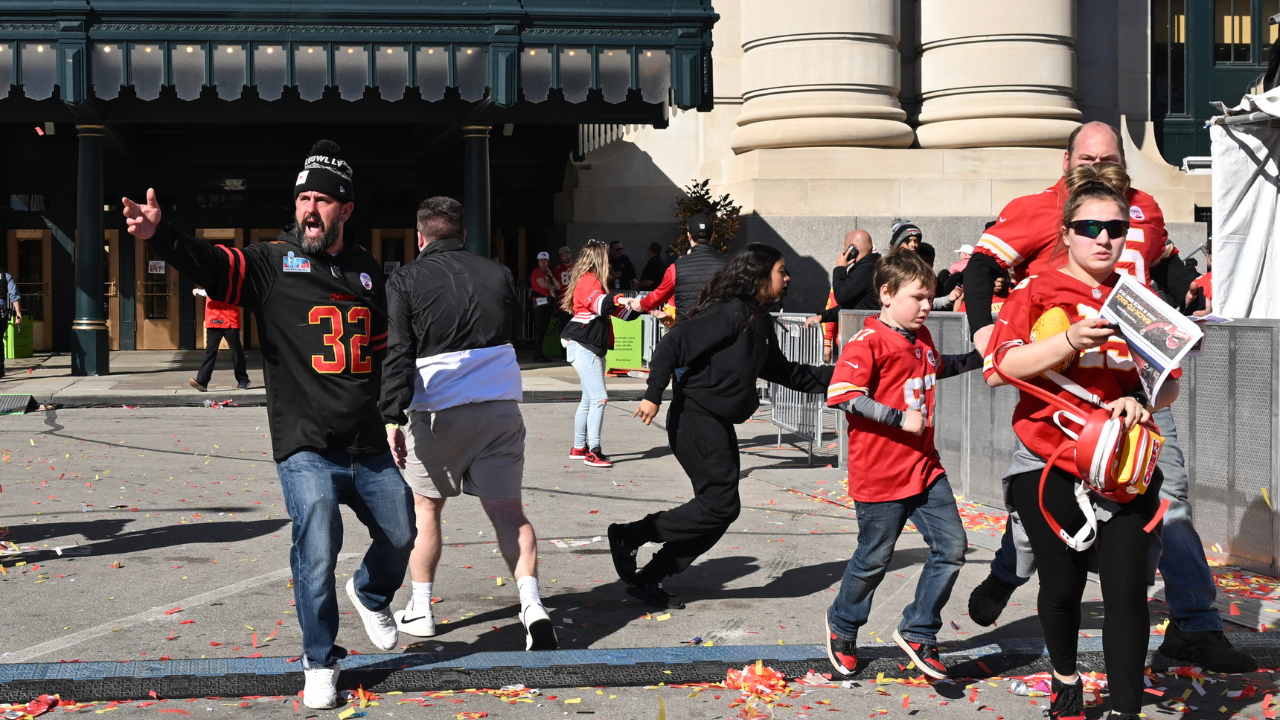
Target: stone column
x,y
997,73
820,73
91,343
475,179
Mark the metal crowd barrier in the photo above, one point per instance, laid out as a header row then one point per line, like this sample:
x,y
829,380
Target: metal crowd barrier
x,y
1228,426
793,411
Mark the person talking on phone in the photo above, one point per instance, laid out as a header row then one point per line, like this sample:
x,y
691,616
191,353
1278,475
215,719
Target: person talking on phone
x,y
852,279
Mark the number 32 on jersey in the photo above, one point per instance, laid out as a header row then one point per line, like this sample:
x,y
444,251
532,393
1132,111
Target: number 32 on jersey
x,y
358,342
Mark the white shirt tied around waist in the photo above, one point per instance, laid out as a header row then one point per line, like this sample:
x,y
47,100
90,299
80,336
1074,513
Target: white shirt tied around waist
x,y
465,377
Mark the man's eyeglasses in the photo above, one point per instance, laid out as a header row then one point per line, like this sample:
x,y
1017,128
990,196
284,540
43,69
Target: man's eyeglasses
x,y
1091,229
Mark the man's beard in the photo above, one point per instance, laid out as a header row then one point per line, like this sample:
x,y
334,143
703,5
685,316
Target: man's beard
x,y
328,237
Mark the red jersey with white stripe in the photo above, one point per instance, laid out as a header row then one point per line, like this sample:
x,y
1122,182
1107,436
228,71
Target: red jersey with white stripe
x,y
1025,237
888,463
1107,372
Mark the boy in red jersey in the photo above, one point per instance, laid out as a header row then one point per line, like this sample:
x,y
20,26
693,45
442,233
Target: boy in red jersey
x,y
884,382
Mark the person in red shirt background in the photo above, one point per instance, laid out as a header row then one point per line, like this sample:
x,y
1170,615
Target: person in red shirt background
x,y
543,286
221,322
564,270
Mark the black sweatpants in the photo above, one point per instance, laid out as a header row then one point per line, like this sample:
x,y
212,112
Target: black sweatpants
x,y
1120,554
707,449
212,340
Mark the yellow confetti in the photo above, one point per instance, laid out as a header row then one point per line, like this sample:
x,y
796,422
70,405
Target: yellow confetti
x,y
1267,498
347,713
33,442
665,616
573,701
499,582
708,644
249,626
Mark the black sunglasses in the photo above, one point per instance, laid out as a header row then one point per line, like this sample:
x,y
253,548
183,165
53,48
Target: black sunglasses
x,y
1116,229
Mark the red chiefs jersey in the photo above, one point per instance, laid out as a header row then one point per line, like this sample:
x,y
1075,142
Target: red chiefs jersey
x,y
564,272
1108,372
1025,236
221,315
888,463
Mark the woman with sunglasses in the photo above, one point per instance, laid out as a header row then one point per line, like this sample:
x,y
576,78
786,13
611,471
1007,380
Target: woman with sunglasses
x,y
1066,349
587,337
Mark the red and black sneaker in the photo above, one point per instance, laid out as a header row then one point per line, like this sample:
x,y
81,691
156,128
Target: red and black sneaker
x,y
577,453
924,655
1066,700
842,653
595,457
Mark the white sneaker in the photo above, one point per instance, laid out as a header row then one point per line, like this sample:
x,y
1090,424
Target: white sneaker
x,y
416,622
378,624
538,632
321,690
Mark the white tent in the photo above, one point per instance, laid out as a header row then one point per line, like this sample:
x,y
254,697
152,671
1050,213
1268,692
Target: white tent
x,y
1246,196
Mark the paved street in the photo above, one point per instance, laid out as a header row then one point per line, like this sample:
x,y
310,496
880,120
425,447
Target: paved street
x,y
160,533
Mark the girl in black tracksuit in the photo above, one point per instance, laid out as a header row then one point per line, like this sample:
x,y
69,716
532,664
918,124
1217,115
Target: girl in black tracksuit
x,y
716,354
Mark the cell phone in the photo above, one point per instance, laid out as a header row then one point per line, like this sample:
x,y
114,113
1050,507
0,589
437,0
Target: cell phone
x,y
850,253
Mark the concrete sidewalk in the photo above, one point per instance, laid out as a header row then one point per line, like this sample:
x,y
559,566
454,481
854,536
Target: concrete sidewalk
x,y
159,378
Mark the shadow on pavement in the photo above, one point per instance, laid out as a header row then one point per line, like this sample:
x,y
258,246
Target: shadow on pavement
x,y
107,540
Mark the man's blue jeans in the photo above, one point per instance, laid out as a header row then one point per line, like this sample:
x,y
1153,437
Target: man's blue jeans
x,y
879,525
1189,588
314,485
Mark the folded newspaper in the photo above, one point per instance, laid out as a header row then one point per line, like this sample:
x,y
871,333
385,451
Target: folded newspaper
x,y
1159,336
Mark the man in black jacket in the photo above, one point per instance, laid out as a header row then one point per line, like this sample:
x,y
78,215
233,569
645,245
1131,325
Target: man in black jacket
x,y
684,279
852,279
451,377
319,300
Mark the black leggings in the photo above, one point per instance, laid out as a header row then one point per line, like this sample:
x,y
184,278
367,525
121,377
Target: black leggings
x,y
1120,553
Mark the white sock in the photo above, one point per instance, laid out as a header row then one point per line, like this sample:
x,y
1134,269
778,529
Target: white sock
x,y
528,587
422,596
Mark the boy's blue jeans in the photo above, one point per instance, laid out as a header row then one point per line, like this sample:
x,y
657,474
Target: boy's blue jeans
x,y
314,485
879,525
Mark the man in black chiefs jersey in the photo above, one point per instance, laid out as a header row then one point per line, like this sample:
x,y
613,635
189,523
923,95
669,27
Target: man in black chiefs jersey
x,y
321,308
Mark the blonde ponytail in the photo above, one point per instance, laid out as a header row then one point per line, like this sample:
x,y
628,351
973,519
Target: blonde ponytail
x,y
1099,181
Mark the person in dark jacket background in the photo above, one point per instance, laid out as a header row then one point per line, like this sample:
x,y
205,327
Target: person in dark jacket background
x,y
716,353
684,279
852,279
451,378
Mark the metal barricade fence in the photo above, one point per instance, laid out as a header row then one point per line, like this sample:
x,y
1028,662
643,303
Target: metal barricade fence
x,y
793,411
1228,426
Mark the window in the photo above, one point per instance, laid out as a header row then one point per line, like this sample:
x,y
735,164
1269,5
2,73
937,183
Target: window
x,y
38,70
1232,31
187,68
311,71
108,71
433,72
228,70
351,71
1270,32
473,72
615,74
155,287
655,74
30,277
6,68
146,68
1168,62
269,71
535,74
392,72
575,73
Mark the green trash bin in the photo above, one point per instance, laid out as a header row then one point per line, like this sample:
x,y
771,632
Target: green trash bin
x,y
19,343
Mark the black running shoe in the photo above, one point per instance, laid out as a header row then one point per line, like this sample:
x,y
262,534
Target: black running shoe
x,y
843,654
653,594
1209,649
989,599
624,556
1066,701
924,655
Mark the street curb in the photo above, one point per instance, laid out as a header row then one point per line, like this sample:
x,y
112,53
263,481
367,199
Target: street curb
x,y
551,669
257,397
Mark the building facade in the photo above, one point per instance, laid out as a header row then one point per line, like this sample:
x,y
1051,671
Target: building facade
x,y
832,115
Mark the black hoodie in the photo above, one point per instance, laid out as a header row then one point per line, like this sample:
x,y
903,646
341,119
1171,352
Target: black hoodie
x,y
322,324
719,353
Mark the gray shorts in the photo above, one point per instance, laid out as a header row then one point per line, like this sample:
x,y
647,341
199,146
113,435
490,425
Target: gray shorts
x,y
477,449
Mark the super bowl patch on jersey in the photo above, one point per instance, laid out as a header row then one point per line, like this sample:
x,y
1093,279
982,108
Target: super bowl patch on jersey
x,y
292,263
1135,212
366,281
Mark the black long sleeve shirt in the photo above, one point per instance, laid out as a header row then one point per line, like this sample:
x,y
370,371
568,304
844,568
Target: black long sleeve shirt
x,y
854,288
720,353
322,325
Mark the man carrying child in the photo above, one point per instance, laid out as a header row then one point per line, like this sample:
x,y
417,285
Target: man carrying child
x,y
884,382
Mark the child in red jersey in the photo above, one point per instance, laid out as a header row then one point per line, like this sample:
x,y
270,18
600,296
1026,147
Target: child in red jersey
x,y
1067,350
884,382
